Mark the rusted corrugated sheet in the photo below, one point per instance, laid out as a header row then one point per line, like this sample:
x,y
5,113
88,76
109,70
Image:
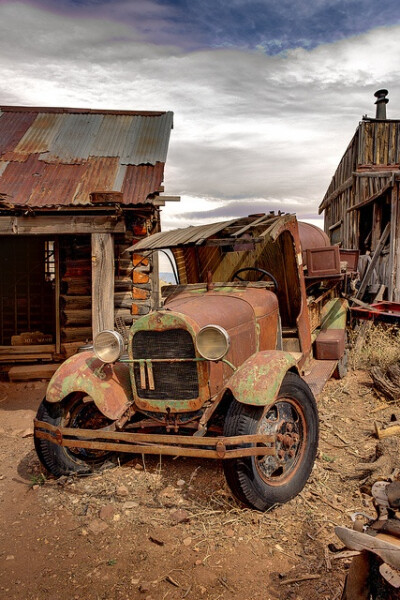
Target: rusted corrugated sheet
x,y
140,181
12,128
182,237
51,157
147,141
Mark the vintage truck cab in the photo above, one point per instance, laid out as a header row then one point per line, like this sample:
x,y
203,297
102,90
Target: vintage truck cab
x,y
225,368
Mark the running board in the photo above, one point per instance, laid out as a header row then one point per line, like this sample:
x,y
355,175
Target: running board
x,y
321,371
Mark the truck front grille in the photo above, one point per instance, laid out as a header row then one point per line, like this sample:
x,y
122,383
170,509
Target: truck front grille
x,y
172,380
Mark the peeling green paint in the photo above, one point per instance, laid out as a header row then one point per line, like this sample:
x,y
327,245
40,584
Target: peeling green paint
x,y
260,377
334,313
107,384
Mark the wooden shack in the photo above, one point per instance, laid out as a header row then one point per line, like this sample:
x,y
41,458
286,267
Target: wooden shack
x,y
361,206
77,187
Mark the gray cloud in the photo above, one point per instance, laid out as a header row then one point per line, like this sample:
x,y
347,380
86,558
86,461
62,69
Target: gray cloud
x,y
251,130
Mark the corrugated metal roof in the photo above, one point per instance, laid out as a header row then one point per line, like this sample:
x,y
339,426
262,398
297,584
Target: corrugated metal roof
x,y
51,157
261,226
182,237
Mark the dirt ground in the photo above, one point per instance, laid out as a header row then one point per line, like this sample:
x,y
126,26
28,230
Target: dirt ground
x,y
170,529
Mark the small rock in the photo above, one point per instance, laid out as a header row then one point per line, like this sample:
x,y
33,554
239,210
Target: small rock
x,y
130,505
139,467
107,512
168,492
187,541
122,490
180,516
97,526
10,557
230,533
144,588
180,482
27,433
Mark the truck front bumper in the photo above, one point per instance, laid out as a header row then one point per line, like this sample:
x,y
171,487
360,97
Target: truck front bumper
x,y
149,443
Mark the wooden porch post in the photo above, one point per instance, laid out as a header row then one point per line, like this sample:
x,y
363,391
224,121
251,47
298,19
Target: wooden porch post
x,y
102,282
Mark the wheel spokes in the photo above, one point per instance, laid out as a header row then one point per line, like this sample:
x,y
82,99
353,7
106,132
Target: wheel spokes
x,y
283,421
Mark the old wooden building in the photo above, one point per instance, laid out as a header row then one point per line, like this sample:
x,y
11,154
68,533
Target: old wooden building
x,y
361,205
77,187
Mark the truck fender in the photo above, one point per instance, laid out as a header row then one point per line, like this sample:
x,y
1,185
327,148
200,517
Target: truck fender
x,y
107,384
259,378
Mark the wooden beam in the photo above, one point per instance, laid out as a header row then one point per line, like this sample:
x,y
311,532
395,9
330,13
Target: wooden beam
x,y
60,225
34,349
335,225
29,372
378,173
102,282
373,262
166,198
342,188
371,198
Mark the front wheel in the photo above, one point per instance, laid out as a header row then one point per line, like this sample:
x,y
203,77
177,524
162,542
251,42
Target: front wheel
x,y
262,482
79,411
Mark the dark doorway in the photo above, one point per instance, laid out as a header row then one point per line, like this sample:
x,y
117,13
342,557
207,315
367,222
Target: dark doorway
x,y
27,288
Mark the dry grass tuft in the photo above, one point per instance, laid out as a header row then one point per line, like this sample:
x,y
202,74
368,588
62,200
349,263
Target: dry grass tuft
x,y
375,345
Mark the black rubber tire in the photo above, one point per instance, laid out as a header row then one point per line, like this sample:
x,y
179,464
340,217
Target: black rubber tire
x,y
60,460
245,475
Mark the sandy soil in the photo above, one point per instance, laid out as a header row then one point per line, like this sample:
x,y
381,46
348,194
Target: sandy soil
x,y
171,529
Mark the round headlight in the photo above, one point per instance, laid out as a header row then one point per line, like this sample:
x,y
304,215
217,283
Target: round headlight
x,y
213,342
108,345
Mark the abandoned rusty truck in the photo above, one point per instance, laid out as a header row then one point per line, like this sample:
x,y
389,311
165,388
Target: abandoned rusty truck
x,y
226,368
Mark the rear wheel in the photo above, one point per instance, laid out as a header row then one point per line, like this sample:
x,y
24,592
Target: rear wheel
x,y
261,482
79,412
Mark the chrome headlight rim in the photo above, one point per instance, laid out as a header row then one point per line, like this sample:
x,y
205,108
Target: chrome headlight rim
x,y
224,336
116,346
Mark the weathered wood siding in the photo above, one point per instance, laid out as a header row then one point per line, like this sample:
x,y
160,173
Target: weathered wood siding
x,y
365,168
366,173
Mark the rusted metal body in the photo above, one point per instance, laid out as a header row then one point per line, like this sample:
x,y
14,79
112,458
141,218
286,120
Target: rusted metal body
x,y
167,384
107,384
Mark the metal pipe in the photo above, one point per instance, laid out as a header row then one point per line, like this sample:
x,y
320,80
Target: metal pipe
x,y
381,103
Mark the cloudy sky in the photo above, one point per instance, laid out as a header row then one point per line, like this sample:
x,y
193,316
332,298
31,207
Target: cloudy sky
x,y
266,93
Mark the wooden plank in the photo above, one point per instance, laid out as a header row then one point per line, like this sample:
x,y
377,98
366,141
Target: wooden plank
x,y
60,225
377,172
57,292
77,317
29,372
15,358
76,302
392,247
396,246
371,198
335,225
102,282
342,188
373,262
36,349
76,334
70,348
